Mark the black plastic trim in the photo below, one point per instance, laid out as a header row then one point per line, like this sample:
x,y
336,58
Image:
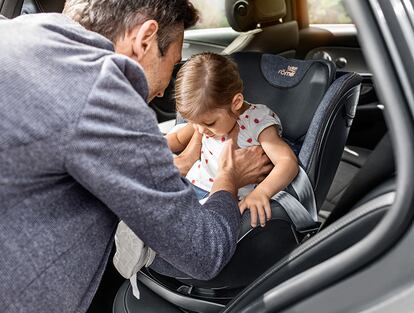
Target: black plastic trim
x,y
184,302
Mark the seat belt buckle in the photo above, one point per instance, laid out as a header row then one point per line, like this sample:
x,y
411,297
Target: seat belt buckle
x,y
309,231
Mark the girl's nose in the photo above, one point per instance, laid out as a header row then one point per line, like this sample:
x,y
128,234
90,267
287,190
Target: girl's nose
x,y
201,129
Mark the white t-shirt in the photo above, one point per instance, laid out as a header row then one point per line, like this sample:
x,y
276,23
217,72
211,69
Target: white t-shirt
x,y
251,123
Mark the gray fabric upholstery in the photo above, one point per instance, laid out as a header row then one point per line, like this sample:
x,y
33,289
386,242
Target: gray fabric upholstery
x,y
332,96
282,72
296,105
316,111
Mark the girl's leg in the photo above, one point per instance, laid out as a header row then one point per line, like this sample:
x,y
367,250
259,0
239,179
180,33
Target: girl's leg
x,y
201,193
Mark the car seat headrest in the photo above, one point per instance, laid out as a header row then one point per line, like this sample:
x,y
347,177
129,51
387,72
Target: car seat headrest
x,y
291,88
282,72
244,15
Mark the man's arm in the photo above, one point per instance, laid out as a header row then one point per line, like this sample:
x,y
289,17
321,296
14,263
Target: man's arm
x,y
117,152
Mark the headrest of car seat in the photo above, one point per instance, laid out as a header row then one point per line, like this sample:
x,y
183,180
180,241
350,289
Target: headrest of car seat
x,y
291,88
281,72
244,15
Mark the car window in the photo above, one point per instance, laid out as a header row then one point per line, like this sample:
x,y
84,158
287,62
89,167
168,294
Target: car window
x,y
212,14
327,12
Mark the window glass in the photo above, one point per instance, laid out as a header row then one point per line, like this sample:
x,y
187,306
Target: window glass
x,y
212,14
327,12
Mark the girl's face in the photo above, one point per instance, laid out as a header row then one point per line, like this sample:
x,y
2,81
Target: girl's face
x,y
218,122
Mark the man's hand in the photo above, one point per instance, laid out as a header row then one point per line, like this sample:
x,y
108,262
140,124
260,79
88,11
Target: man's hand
x,y
240,167
251,164
185,160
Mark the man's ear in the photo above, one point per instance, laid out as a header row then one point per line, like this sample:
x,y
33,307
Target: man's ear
x,y
237,102
146,38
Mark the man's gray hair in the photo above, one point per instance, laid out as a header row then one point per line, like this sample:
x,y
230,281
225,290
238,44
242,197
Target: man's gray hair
x,y
112,18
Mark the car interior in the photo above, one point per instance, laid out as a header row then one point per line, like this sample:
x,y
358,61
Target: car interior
x,y
316,79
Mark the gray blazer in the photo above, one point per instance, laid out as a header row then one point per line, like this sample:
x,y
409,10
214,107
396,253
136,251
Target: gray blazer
x,y
79,149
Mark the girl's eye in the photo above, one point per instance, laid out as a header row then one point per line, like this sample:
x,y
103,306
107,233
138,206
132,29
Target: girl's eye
x,y
211,124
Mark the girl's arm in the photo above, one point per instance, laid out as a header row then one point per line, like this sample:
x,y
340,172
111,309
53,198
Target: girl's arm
x,y
285,161
285,170
179,140
186,159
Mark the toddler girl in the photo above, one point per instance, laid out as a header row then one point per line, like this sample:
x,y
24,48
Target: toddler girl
x,y
209,95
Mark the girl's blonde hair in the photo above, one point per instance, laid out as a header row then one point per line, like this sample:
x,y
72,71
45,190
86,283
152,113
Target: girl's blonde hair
x,y
207,81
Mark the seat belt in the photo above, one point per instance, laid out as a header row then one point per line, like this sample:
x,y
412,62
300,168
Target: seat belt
x,y
302,212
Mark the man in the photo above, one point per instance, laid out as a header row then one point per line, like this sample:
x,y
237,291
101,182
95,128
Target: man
x,y
80,149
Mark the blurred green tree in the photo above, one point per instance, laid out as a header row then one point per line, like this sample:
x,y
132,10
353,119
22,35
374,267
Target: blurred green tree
x,y
212,13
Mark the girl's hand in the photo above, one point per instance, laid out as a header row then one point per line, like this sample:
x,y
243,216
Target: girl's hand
x,y
193,150
258,204
185,160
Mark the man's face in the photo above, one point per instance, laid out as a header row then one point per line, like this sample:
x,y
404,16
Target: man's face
x,y
159,71
141,44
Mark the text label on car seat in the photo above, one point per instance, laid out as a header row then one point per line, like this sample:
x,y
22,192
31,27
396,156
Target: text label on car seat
x,y
290,71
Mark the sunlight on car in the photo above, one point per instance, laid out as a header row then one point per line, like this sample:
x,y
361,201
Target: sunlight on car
x,y
327,12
